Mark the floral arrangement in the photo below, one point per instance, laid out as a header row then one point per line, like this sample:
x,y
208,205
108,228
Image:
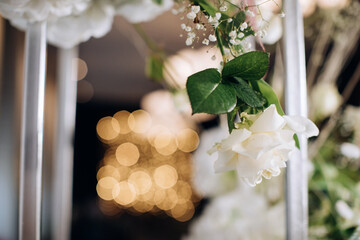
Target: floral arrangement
x,y
256,138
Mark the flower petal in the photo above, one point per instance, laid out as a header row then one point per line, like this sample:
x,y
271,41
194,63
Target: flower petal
x,y
302,125
268,121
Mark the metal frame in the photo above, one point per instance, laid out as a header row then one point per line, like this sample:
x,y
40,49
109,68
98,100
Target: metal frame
x,y
295,104
32,123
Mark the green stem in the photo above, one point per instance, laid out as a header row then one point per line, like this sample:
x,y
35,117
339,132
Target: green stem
x,y
148,41
220,44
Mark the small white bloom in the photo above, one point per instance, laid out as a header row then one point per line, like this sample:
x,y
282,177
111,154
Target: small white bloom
x,y
199,26
212,38
183,26
344,210
282,15
195,9
229,20
250,13
218,15
243,26
232,34
205,41
191,35
241,35
189,41
350,150
223,8
188,29
262,149
174,11
213,21
191,15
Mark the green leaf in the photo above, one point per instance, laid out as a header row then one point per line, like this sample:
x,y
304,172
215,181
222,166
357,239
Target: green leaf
x,y
269,94
297,143
159,2
231,118
246,94
249,66
207,6
208,94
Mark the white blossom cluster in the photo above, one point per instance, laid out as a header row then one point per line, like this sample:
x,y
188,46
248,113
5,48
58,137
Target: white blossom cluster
x,y
70,22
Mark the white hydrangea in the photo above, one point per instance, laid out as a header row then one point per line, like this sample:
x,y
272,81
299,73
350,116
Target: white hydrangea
x,y
262,146
242,214
136,11
40,10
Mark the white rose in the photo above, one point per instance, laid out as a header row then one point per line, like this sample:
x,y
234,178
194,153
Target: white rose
x,y
261,149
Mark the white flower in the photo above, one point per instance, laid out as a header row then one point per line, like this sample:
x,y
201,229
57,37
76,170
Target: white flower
x,y
191,15
218,15
212,38
195,9
243,26
68,31
241,214
40,10
350,150
189,41
241,35
262,146
325,99
223,8
136,11
232,34
205,41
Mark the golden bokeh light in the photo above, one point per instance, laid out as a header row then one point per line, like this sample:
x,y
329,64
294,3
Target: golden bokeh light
x,y
165,176
146,166
109,171
105,187
124,193
188,140
122,117
108,128
141,181
139,121
127,154
81,67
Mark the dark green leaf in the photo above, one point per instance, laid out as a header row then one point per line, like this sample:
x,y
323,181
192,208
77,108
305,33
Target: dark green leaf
x,y
269,95
208,94
246,93
249,66
207,6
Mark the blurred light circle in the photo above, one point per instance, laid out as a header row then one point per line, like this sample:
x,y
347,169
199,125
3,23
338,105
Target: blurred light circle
x,y
105,187
85,91
165,176
169,201
183,190
81,67
108,128
108,171
123,118
127,154
124,193
141,181
139,121
188,140
183,212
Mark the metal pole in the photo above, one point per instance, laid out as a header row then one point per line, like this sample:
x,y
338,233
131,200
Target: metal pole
x,y
295,104
32,131
64,150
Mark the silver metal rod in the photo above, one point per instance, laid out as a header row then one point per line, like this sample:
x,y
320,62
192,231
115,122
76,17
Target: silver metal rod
x,y
295,104
64,150
32,131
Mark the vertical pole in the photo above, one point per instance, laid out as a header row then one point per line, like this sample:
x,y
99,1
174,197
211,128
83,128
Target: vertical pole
x,y
32,131
295,104
64,150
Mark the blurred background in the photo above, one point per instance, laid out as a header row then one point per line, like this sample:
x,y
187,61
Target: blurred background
x,y
130,131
